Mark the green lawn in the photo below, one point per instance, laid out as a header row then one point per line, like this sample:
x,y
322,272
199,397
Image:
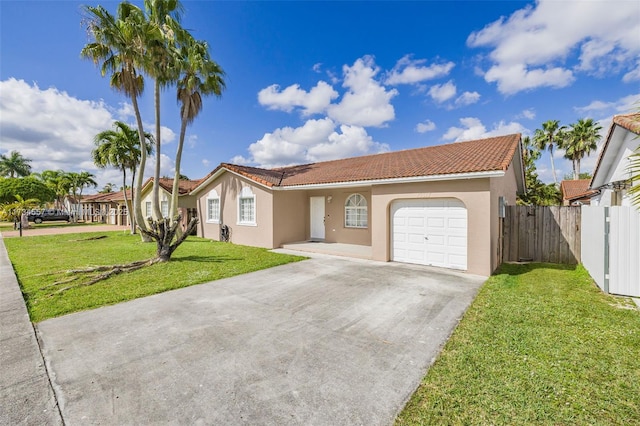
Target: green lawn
x,y
41,261
540,345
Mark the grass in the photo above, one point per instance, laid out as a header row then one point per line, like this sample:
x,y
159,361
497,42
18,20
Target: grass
x,y
196,261
539,345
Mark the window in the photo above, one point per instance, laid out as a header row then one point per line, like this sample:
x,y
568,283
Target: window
x,y
147,209
247,207
355,211
164,208
213,207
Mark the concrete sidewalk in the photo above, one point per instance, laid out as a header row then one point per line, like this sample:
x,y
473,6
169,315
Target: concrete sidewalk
x,y
26,396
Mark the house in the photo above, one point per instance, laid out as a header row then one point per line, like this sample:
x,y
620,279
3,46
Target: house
x,y
109,208
612,175
186,201
436,206
576,192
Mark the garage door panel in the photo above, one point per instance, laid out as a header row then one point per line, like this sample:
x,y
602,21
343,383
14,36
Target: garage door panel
x,y
413,221
442,221
435,221
416,238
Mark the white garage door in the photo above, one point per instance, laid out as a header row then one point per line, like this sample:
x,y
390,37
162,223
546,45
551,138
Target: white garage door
x,y
430,232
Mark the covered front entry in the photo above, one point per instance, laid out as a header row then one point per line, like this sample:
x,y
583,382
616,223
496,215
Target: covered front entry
x,y
429,232
316,207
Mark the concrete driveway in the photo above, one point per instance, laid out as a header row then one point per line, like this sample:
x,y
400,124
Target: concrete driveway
x,y
325,341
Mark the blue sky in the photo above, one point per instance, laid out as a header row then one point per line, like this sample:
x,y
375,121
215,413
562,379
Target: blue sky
x,y
313,81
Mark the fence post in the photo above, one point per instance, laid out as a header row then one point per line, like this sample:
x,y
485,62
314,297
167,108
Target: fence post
x,y
607,224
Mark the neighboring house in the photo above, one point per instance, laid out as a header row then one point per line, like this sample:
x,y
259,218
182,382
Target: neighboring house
x,y
436,206
612,175
107,208
186,201
576,192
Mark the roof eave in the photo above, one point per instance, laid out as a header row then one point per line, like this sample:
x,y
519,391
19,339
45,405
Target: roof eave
x,y
412,179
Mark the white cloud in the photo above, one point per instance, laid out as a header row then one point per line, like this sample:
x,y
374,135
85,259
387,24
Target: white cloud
x,y
529,114
317,67
472,128
410,71
125,112
206,162
530,48
425,126
514,78
632,75
192,141
443,92
467,98
44,126
366,102
312,102
624,105
316,140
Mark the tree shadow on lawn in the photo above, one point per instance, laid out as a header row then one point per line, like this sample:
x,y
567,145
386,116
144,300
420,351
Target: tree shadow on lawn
x,y
524,268
204,259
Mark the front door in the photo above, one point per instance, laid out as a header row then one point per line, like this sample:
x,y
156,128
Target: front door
x,y
317,218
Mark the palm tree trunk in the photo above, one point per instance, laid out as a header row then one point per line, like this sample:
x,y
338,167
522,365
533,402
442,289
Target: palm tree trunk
x,y
131,215
143,161
553,166
155,198
576,173
176,179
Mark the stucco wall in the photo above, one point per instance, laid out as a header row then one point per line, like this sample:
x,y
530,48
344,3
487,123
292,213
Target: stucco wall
x,y
474,193
229,186
506,187
335,229
290,217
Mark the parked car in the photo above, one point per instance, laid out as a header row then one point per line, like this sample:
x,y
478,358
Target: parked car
x,y
39,216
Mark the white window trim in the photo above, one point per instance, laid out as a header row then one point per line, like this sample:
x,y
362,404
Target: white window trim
x,y
147,209
366,208
213,195
246,193
164,203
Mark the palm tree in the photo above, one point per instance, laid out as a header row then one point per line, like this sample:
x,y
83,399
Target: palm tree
x,y
549,137
107,189
59,182
200,75
120,47
581,139
78,182
120,148
165,16
14,165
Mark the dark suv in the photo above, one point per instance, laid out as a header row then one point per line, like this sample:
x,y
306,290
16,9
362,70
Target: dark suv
x,y
39,216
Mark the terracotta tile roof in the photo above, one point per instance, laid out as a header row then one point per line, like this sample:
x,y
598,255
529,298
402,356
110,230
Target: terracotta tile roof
x,y
631,122
491,154
107,197
572,189
185,186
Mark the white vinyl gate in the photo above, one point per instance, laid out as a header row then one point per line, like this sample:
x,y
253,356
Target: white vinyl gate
x,y
611,248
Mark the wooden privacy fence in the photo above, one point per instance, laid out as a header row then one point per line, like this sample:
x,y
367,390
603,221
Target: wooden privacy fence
x,y
541,234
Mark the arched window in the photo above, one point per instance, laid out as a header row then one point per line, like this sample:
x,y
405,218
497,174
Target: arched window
x,y
247,207
355,211
213,207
